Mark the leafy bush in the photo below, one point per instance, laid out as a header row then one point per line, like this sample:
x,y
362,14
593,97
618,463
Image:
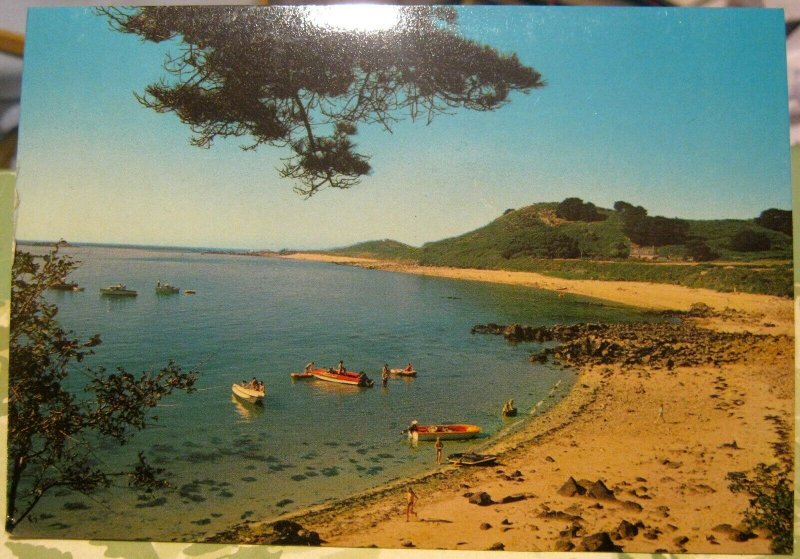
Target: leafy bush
x,y
574,209
750,241
777,220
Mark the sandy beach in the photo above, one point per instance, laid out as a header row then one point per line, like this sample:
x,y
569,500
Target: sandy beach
x,y
656,479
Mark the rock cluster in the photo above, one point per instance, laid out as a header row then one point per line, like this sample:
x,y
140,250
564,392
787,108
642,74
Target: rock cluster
x,y
658,345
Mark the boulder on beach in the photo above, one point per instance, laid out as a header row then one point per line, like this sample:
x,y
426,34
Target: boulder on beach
x,y
598,490
482,499
571,488
286,532
600,541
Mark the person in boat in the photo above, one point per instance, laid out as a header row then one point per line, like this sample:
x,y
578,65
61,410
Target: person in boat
x,y
411,500
508,408
340,368
385,374
413,428
309,366
409,367
438,446
253,384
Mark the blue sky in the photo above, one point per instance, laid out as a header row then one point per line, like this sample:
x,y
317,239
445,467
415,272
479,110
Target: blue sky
x,y
683,111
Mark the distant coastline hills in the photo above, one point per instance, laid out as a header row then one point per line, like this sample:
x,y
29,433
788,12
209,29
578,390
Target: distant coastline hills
x,y
574,239
578,240
573,229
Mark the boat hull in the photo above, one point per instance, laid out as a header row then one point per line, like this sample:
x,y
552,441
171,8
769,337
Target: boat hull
x,y
403,372
167,290
247,394
118,293
470,459
448,432
348,377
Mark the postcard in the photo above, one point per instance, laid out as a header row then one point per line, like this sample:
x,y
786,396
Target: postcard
x,y
464,278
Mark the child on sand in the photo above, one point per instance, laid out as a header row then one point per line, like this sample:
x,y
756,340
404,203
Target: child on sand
x,y
411,500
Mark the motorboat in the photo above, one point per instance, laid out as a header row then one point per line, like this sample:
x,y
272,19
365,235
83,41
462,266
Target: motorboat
x,y
166,289
345,377
118,290
247,393
447,431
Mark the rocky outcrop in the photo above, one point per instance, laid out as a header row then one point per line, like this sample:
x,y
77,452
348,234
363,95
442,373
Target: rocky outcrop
x,y
658,345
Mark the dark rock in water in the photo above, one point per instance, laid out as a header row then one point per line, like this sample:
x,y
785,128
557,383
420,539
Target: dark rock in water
x,y
407,543
485,526
571,488
481,499
496,547
681,540
598,542
598,490
286,532
283,502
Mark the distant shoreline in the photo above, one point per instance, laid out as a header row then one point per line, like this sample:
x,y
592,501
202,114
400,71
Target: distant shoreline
x,y
644,295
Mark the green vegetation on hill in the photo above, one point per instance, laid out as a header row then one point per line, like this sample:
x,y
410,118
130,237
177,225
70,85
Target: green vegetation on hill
x,y
386,249
595,243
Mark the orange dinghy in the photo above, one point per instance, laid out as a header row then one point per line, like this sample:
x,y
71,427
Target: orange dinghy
x,y
347,377
451,432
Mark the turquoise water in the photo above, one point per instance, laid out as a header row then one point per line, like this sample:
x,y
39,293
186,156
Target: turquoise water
x,y
311,441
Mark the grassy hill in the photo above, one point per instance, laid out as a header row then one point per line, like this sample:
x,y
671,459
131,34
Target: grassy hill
x,y
535,238
386,249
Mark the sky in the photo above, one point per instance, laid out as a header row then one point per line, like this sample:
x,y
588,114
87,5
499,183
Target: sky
x,y
682,111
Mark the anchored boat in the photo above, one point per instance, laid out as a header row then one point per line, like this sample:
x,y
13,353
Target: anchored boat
x,y
118,290
166,289
346,377
448,431
248,394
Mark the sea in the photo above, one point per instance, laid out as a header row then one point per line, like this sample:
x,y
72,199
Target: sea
x,y
311,441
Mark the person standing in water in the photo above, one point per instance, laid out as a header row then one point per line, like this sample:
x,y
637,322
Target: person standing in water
x,y
438,446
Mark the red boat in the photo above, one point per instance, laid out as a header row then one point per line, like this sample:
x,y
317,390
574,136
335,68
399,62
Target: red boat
x,y
448,431
347,377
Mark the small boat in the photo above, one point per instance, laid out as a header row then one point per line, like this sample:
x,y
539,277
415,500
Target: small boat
x,y
247,394
118,290
347,377
403,372
189,291
166,289
72,286
471,459
301,375
449,431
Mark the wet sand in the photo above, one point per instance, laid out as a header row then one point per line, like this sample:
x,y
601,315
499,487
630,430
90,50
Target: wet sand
x,y
666,474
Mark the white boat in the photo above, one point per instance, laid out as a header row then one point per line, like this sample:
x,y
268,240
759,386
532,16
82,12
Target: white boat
x,y
118,290
247,394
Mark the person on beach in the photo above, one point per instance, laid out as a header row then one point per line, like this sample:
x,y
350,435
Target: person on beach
x,y
411,500
661,414
309,366
438,446
385,374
